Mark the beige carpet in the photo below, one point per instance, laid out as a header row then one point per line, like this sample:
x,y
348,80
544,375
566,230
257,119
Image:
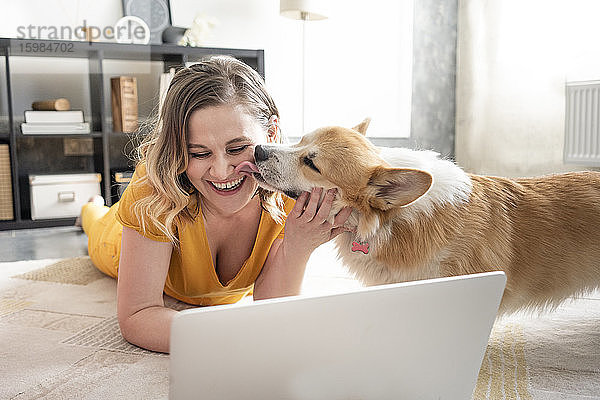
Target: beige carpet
x,y
60,339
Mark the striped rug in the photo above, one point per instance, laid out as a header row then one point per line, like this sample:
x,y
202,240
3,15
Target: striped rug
x,y
550,356
503,373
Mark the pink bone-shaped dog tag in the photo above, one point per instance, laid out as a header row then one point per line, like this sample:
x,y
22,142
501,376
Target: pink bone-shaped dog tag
x,y
364,247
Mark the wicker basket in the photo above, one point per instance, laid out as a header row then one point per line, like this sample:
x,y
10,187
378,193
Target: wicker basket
x,y
6,195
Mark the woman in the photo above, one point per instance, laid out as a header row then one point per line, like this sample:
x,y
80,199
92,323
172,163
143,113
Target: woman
x,y
188,224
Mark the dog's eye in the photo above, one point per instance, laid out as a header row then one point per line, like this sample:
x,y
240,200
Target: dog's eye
x,y
310,163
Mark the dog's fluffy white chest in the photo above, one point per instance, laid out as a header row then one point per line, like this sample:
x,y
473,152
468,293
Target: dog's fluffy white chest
x,y
366,269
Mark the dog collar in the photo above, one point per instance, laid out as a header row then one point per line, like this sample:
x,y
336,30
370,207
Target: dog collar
x,y
360,246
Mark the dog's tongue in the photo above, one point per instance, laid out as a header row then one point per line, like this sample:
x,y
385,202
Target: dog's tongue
x,y
246,168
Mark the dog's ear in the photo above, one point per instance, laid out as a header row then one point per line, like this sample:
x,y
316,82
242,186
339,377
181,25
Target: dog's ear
x,y
396,187
362,127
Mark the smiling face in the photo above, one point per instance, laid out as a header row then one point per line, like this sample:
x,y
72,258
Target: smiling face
x,y
219,138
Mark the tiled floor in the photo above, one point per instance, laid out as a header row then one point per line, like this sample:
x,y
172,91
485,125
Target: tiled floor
x,y
37,244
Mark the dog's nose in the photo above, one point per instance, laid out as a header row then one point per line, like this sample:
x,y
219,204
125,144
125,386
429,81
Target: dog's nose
x,y
260,154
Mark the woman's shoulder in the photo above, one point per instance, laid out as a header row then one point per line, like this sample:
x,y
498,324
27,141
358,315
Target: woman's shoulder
x,y
141,220
139,186
139,172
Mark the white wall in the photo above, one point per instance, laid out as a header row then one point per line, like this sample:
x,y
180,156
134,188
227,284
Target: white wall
x,y
358,61
514,57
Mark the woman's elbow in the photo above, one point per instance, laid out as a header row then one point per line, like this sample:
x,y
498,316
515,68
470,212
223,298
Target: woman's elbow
x,y
126,327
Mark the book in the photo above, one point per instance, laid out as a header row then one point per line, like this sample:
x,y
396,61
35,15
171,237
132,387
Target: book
x,y
61,104
6,194
30,128
53,116
124,101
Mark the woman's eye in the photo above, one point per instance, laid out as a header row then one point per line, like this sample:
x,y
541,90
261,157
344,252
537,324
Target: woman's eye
x,y
237,150
200,155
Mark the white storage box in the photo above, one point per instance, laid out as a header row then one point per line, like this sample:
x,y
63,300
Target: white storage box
x,y
61,196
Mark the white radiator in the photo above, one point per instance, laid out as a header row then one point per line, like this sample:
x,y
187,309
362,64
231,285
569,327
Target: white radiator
x,y
582,123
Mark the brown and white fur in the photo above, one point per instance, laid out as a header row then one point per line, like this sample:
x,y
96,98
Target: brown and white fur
x,y
424,217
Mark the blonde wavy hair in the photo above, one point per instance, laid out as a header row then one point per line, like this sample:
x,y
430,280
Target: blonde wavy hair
x,y
215,81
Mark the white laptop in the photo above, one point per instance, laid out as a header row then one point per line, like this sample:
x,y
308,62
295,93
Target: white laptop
x,y
414,340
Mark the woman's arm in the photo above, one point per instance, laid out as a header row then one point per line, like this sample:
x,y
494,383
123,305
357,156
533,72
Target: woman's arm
x,y
306,228
143,267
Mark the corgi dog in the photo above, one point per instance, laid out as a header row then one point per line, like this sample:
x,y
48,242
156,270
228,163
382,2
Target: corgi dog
x,y
418,216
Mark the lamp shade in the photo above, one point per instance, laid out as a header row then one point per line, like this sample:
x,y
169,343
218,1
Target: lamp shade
x,y
309,10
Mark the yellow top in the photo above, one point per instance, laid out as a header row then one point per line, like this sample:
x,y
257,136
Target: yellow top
x,y
192,277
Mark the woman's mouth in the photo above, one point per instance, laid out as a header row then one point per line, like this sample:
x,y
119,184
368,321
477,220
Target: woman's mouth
x,y
228,188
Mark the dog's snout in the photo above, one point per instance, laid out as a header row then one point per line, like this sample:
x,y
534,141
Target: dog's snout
x,y
260,154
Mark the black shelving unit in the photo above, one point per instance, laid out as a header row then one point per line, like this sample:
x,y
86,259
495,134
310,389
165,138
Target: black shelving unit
x,y
102,135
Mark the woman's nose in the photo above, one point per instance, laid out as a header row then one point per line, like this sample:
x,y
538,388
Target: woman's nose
x,y
221,168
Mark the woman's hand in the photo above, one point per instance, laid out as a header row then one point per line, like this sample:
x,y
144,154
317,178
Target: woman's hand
x,y
306,227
